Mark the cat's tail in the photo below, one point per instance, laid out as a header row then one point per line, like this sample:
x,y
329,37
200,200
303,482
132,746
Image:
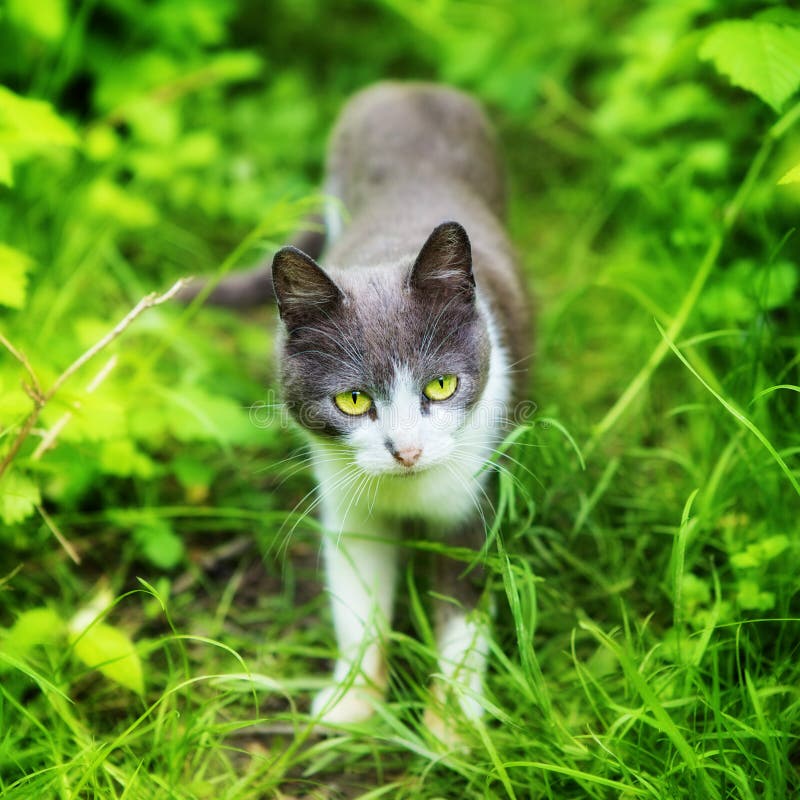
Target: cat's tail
x,y
253,287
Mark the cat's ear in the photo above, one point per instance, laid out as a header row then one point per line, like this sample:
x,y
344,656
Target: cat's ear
x,y
302,288
444,265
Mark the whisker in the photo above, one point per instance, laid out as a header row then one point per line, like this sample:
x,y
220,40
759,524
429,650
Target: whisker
x,y
309,462
353,496
376,485
326,489
471,494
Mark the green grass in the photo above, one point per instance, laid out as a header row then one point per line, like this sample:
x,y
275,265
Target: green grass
x,y
643,564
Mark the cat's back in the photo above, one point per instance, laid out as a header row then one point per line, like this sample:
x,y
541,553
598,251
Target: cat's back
x,y
396,132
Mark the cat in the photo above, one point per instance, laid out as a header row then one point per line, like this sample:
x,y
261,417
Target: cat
x,y
398,361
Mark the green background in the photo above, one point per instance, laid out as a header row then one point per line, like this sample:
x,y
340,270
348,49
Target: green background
x,y
644,565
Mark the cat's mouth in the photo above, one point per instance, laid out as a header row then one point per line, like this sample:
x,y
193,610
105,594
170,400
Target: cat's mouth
x,y
395,470
407,472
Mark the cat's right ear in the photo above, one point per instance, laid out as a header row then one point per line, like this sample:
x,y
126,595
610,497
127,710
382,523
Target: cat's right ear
x,y
444,265
302,288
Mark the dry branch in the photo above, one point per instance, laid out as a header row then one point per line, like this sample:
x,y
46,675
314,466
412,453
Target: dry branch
x,y
62,540
41,399
49,437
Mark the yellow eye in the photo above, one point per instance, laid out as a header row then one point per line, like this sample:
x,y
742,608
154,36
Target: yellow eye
x,y
441,388
354,402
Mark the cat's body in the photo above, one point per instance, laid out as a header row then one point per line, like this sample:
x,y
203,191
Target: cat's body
x,y
401,360
409,301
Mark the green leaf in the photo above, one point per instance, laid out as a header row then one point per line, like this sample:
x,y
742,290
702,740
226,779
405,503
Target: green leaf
x,y
153,122
761,552
6,169
107,200
779,283
14,403
39,626
779,16
111,651
28,125
773,546
196,415
694,592
44,19
194,475
19,496
198,149
745,288
236,65
97,416
751,598
121,457
101,142
123,80
192,472
747,559
761,57
680,647
792,176
14,267
159,544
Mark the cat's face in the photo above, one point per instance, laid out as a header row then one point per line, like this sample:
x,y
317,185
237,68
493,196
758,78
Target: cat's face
x,y
387,361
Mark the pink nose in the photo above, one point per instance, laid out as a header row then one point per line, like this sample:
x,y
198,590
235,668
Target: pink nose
x,y
408,456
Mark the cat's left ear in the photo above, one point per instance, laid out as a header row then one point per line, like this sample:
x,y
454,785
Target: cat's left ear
x,y
444,265
302,288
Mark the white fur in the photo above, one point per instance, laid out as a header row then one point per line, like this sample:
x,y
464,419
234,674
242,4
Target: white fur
x,y
366,495
463,651
361,576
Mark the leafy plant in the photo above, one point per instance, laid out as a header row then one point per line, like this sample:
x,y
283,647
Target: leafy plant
x,y
96,644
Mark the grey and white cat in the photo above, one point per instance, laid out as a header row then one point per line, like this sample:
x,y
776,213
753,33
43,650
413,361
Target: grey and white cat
x,y
397,359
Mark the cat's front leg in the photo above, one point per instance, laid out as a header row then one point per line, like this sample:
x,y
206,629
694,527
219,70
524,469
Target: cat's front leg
x,y
462,639
360,570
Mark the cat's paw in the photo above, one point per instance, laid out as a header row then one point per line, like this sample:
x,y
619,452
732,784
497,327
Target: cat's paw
x,y
334,707
444,731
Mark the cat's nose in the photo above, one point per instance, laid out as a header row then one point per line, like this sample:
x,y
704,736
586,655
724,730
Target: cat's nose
x,y
408,456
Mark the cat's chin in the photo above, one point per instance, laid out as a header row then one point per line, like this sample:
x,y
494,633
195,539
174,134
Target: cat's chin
x,y
408,472
403,473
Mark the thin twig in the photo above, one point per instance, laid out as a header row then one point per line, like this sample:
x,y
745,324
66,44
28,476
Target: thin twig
x,y
6,579
49,438
153,299
22,435
20,356
62,540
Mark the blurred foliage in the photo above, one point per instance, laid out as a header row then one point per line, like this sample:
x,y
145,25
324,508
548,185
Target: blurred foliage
x,y
143,141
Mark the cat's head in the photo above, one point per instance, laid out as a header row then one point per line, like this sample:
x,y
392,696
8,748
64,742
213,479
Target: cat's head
x,y
389,360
